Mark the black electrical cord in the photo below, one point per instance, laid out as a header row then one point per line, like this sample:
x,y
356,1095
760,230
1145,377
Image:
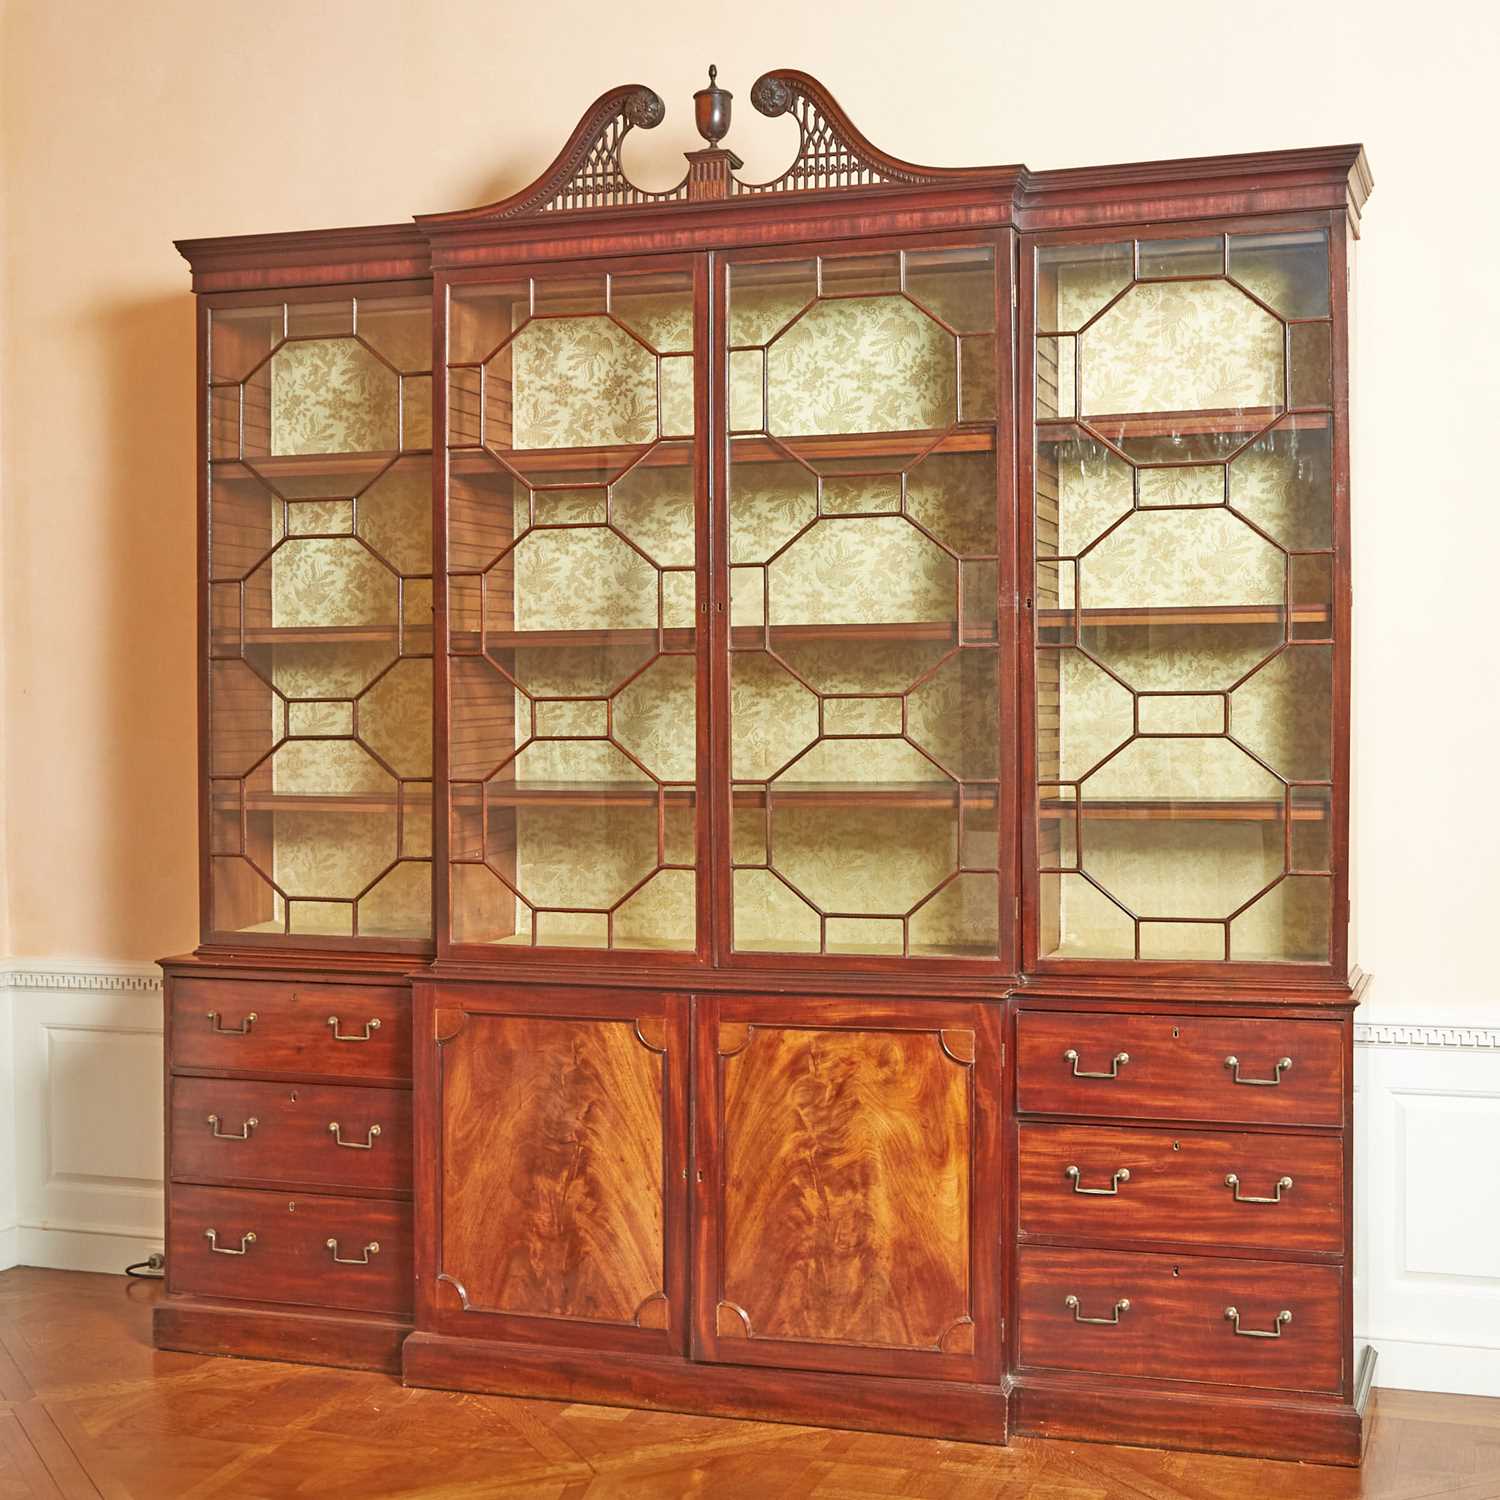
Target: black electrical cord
x,y
147,1270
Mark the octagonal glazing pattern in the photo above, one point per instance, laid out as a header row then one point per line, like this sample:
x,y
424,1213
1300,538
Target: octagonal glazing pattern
x,y
864,547
572,611
320,598
1183,600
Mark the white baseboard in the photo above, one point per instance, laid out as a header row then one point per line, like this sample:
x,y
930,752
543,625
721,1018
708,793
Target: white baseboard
x,y
1458,1369
81,1249
9,1240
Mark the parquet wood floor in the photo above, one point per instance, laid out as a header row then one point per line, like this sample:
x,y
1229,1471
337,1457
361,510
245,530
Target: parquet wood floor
x,y
90,1411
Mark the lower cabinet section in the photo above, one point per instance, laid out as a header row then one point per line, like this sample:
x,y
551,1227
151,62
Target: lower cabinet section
x,y
782,1206
835,1191
349,1253
1271,1325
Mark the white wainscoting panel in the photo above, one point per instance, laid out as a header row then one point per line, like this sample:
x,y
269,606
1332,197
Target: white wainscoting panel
x,y
85,1050
1427,1195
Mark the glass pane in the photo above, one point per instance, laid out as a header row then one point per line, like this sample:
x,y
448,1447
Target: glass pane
x,y
320,712
1283,482
573,544
1288,272
864,673
1200,257
1074,283
1312,364
1183,598
957,286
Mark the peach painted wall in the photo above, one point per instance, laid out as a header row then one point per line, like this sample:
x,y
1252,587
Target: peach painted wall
x,y
127,124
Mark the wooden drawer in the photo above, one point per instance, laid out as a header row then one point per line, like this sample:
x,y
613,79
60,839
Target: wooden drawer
x,y
1072,1182
289,1259
1176,1321
292,1032
1178,1067
290,1139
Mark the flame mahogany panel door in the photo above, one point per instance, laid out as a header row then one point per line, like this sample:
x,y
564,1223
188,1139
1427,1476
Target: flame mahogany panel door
x,y
847,1186
553,1128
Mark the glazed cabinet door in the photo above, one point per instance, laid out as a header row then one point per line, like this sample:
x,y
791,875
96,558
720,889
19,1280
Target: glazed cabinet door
x,y
847,1186
317,683
1188,479
867,691
574,664
552,1168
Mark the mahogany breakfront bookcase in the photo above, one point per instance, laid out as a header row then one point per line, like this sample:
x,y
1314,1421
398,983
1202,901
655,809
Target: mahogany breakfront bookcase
x,y
775,795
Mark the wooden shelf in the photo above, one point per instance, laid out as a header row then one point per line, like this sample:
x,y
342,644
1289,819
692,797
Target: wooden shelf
x,y
743,637
358,468
906,794
1225,421
680,452
352,802
1182,616
884,950
320,635
1203,810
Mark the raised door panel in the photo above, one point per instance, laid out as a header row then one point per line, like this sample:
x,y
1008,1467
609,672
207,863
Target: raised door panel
x,y
556,1159
847,1186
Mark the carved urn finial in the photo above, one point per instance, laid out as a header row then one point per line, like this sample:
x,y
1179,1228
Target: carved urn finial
x,y
711,109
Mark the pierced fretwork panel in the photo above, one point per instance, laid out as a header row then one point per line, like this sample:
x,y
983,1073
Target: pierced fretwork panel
x,y
1184,604
829,153
864,554
572,556
589,174
320,596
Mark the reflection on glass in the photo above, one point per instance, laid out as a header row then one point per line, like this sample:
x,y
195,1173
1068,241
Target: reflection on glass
x,y
320,688
864,537
572,554
1184,599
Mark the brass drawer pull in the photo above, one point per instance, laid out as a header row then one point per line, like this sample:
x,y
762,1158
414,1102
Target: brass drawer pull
x,y
338,1036
1282,1319
230,1135
1123,1175
368,1144
1283,1185
1116,1063
1123,1305
212,1236
1233,1064
362,1259
216,1020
